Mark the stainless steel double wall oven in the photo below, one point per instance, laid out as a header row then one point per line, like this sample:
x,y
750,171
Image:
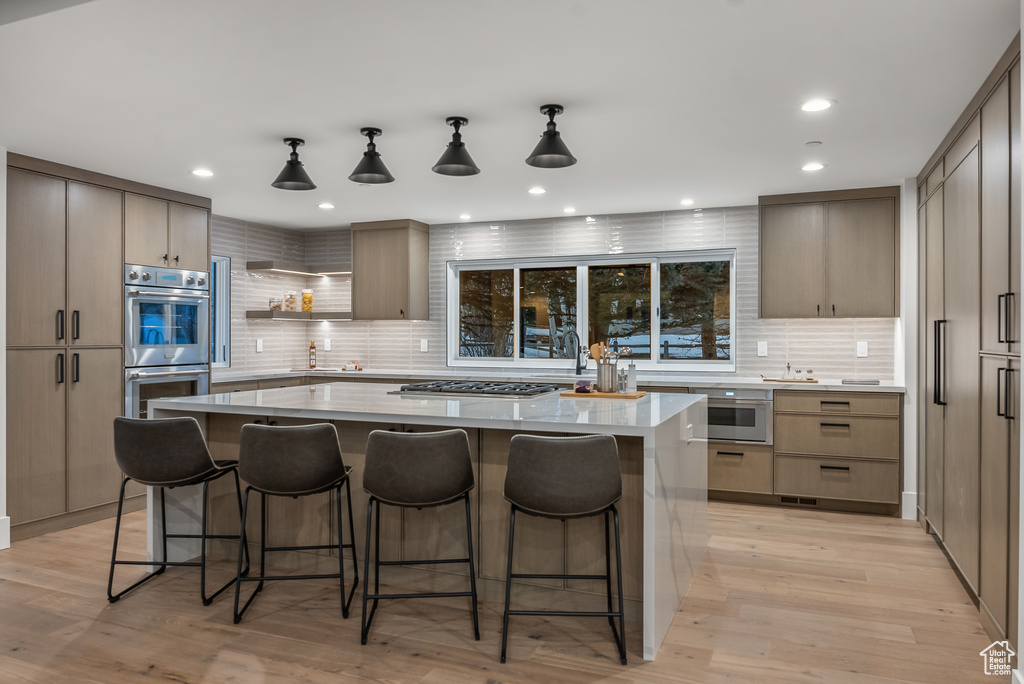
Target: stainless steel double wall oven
x,y
166,335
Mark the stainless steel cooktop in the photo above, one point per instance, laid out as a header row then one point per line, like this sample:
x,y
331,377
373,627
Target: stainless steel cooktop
x,y
483,389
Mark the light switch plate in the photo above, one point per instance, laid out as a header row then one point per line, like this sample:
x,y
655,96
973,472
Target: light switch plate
x,y
259,346
862,350
327,344
423,345
762,349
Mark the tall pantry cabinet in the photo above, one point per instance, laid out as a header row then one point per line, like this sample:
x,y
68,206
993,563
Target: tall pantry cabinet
x,y
969,229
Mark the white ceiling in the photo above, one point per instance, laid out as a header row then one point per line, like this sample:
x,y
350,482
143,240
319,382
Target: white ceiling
x,y
664,99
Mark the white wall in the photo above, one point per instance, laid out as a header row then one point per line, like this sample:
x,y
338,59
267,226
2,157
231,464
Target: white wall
x,y
905,343
5,520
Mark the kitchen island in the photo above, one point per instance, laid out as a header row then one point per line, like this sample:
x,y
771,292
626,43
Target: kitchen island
x,y
662,442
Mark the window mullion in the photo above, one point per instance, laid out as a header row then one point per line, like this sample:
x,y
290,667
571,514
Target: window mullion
x,y
655,311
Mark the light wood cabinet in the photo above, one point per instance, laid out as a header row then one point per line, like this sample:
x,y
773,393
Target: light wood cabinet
x,y
829,255
162,233
735,467
834,478
389,270
95,397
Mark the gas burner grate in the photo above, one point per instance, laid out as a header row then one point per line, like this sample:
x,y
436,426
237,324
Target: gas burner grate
x,y
479,388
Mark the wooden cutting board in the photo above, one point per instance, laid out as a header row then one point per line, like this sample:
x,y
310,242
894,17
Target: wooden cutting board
x,y
603,395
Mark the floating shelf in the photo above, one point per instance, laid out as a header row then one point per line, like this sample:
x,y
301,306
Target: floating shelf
x,y
297,268
300,315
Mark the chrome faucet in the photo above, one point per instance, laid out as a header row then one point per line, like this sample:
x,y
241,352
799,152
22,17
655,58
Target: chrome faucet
x,y
578,351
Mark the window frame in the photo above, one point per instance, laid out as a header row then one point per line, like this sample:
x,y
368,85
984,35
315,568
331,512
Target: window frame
x,y
220,310
582,264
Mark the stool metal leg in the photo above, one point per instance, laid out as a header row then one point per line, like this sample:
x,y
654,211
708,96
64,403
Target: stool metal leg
x,y
621,638
111,596
508,581
472,569
368,616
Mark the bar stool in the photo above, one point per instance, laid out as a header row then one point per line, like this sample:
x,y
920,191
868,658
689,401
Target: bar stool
x,y
416,470
294,461
560,478
168,453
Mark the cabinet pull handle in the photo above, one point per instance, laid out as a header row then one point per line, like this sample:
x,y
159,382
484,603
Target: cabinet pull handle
x,y
164,257
74,367
60,324
1011,297
401,312
75,324
833,309
1000,308
839,403
60,369
175,258
1008,396
729,453
827,467
818,308
1000,392
836,425
937,335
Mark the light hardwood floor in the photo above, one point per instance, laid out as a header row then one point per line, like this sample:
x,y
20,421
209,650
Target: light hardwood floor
x,y
782,595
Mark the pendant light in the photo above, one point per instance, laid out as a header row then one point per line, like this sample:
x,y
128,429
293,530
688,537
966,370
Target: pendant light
x,y
551,152
456,160
371,169
293,176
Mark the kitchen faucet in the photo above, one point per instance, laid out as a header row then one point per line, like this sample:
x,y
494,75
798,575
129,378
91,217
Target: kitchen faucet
x,y
578,351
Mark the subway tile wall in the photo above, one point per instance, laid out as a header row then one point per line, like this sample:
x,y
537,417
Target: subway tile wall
x,y
828,346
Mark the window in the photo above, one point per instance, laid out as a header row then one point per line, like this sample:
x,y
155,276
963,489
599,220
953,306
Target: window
x,y
672,310
220,311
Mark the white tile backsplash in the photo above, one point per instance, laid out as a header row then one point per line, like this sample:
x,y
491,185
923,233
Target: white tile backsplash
x,y
828,346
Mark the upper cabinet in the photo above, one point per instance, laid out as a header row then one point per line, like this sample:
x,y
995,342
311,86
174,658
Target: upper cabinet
x,y
829,254
162,233
389,270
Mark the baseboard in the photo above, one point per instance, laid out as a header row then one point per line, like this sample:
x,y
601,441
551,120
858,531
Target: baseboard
x,y
908,508
5,532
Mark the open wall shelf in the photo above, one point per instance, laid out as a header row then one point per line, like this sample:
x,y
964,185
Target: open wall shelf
x,y
300,315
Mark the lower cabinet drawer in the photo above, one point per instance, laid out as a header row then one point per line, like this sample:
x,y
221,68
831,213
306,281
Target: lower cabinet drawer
x,y
837,478
850,436
740,467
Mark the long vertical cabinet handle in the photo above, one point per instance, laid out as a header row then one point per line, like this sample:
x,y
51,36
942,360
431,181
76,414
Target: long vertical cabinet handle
x,y
1001,392
60,324
60,369
1009,300
1000,309
937,334
76,318
1008,395
74,367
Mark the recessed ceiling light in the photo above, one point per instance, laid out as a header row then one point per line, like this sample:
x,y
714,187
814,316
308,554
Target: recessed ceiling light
x,y
687,202
205,173
812,166
537,190
816,105
465,217
325,205
570,210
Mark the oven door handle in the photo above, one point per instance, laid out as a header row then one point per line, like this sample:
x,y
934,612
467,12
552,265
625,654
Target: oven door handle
x,y
140,293
166,374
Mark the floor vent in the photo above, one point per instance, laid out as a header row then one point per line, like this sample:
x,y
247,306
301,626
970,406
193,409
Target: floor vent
x,y
798,501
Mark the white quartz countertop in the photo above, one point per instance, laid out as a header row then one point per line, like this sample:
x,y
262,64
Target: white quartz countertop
x,y
373,402
647,379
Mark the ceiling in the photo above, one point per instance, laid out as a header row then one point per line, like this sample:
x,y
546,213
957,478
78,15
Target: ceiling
x,y
664,99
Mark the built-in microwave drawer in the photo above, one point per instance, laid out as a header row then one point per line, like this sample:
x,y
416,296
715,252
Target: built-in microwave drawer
x,y
849,436
740,467
809,401
837,478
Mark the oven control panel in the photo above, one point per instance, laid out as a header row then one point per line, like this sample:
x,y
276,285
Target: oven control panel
x,y
166,277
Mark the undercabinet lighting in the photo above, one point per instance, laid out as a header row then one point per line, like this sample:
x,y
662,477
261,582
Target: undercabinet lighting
x,y
330,273
816,105
325,205
570,210
205,173
686,202
537,190
591,219
812,166
495,227
285,270
465,217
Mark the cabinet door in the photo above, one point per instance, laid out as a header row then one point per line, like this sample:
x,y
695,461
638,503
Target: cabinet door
x,y
380,274
36,243
962,339
36,471
95,382
995,483
95,266
860,258
792,239
1014,326
145,230
934,310
995,217
188,237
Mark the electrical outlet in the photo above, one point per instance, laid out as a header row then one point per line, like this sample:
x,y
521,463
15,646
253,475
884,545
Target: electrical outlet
x,y
862,350
762,349
259,346
423,344
327,344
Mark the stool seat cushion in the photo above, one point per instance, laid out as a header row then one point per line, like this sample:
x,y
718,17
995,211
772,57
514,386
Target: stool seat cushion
x,y
418,468
563,477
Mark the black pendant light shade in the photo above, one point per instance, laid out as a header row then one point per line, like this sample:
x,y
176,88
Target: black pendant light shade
x,y
456,160
551,152
370,168
293,176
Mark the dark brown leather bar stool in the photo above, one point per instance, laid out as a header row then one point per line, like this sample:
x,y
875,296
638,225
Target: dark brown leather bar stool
x,y
416,470
561,478
294,461
168,453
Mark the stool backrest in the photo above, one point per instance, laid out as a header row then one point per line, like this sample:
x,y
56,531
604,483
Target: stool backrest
x,y
418,468
162,452
563,477
290,460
